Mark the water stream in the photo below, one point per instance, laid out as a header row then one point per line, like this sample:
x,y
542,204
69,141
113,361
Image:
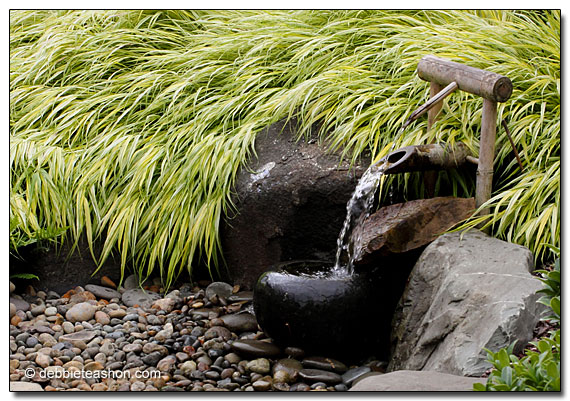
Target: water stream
x,y
357,211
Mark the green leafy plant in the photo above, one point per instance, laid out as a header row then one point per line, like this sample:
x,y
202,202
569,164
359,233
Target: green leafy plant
x,y
535,371
129,127
551,297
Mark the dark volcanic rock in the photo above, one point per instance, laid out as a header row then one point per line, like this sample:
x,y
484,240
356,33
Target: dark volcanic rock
x,y
290,203
60,270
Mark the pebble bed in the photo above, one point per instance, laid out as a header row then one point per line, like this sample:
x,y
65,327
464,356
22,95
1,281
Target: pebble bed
x,y
195,338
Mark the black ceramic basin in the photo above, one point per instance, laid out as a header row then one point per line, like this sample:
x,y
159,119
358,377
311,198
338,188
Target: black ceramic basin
x,y
299,304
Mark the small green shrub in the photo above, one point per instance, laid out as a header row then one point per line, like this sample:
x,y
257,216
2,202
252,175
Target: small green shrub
x,y
551,291
535,371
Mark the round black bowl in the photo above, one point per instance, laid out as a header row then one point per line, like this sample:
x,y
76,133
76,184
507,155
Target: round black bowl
x,y
301,304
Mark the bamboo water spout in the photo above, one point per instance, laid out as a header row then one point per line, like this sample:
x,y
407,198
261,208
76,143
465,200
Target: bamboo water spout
x,y
427,157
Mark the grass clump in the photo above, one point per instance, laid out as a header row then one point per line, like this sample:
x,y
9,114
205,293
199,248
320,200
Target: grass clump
x,y
129,126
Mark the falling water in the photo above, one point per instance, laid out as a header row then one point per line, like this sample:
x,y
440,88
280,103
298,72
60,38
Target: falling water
x,y
357,210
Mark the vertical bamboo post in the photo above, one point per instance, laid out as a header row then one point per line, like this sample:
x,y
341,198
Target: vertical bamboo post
x,y
486,155
434,89
430,177
492,88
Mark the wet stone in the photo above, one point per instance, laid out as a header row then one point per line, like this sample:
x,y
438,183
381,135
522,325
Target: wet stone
x,y
255,348
318,375
352,374
240,322
294,352
102,292
242,296
218,331
318,362
288,365
219,289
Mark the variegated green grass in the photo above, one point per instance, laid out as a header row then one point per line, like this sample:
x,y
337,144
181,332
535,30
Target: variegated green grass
x,y
129,126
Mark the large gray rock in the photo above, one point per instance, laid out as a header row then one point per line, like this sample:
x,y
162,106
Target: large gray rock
x,y
290,203
466,292
409,380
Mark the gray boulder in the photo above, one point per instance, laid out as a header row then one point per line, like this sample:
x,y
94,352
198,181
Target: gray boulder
x,y
468,291
409,380
290,203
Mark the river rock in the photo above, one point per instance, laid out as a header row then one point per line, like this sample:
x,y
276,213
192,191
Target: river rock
x,y
80,312
13,310
152,358
47,340
165,304
255,348
318,375
242,296
260,365
261,385
289,366
188,367
218,331
407,380
25,386
139,297
355,373
218,288
83,335
403,227
166,363
102,318
102,292
468,291
240,322
20,303
319,362
51,311
291,197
